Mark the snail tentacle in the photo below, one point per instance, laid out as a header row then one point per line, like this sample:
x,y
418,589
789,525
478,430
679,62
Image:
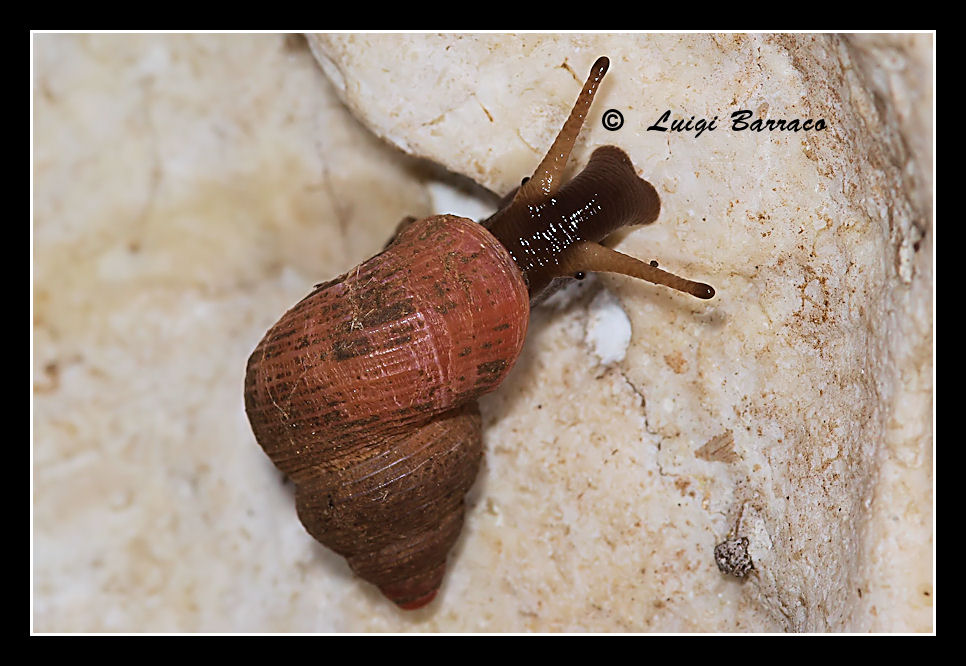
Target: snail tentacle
x,y
587,256
546,177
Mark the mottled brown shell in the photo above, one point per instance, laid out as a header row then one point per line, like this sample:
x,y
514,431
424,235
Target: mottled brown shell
x,y
364,395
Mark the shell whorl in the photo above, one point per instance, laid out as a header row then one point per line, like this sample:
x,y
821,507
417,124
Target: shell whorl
x,y
364,394
395,508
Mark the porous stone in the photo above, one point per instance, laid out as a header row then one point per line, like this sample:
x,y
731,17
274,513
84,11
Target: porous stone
x,y
189,189
815,354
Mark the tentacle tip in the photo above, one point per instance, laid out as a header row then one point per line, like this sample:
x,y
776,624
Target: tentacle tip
x,y
602,64
702,290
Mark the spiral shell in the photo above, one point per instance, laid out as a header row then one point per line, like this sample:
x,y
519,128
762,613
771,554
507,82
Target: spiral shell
x,y
365,395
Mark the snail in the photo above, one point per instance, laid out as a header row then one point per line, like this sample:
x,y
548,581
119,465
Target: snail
x,y
365,392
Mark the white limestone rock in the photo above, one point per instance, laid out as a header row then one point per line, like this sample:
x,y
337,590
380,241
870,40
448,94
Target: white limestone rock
x,y
814,358
189,189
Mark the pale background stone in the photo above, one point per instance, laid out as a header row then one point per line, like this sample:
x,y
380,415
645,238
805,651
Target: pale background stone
x,y
189,189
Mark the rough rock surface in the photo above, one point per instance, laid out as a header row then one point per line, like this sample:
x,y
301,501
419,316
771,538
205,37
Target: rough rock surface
x,y
813,362
188,190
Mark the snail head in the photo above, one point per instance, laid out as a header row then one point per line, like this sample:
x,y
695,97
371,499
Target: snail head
x,y
554,230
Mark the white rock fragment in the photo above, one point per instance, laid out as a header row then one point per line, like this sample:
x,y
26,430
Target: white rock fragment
x,y
448,198
608,328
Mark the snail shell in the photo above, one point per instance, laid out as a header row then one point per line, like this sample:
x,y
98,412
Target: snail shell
x,y
364,395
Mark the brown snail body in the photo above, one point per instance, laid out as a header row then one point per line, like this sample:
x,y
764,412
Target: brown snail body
x,y
365,393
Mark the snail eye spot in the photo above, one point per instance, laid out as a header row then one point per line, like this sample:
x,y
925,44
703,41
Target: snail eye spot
x,y
579,275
